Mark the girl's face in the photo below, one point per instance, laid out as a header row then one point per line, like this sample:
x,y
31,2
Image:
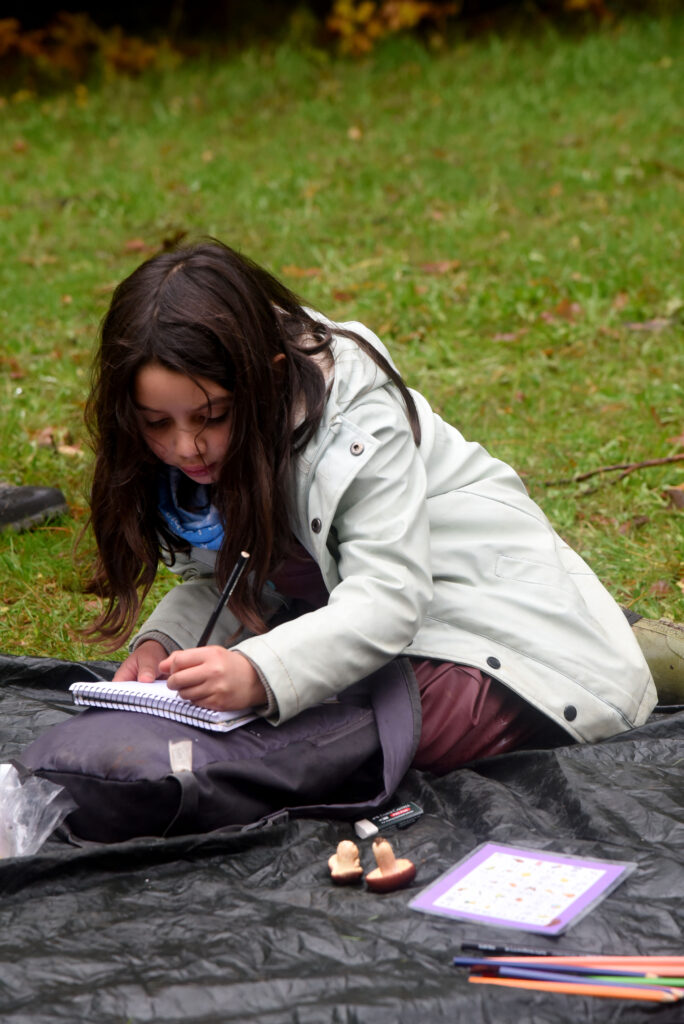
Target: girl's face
x,y
185,422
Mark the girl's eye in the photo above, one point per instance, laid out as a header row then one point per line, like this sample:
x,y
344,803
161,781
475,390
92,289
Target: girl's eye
x,y
221,418
155,424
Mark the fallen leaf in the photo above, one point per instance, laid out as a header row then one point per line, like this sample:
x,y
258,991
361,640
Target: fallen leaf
x,y
565,310
675,495
601,519
354,133
70,450
66,300
677,440
658,323
660,588
509,335
620,300
135,245
612,407
20,145
15,370
292,271
45,438
341,296
633,524
440,266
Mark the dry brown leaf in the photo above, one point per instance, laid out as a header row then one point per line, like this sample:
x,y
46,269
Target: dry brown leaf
x,y
136,245
567,310
633,524
15,370
45,437
658,323
509,335
660,588
440,266
679,440
675,495
293,271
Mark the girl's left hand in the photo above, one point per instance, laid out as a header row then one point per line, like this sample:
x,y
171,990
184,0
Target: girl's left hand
x,y
214,677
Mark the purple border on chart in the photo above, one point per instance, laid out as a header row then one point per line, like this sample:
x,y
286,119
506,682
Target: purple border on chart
x,y
426,899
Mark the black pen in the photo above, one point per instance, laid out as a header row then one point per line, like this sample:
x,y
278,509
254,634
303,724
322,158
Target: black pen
x,y
491,950
225,596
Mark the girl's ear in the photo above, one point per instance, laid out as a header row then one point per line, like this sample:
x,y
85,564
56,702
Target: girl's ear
x,y
278,359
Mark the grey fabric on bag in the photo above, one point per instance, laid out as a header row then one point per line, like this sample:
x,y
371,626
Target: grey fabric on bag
x,y
341,758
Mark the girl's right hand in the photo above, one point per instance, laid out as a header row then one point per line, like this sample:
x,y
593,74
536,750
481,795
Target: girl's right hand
x,y
142,666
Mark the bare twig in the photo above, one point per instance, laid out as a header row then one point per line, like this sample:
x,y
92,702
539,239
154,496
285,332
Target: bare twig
x,y
625,467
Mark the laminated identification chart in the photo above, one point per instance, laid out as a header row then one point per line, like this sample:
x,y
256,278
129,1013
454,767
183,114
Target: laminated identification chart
x,y
534,890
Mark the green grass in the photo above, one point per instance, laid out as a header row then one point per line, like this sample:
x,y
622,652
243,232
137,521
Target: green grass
x,y
503,213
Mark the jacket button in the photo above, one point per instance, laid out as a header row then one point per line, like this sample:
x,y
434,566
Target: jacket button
x,y
356,448
570,713
316,525
493,662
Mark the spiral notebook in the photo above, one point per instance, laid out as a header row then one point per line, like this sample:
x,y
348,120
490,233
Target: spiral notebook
x,y
156,699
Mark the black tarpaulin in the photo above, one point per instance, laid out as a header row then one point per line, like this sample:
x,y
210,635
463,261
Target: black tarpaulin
x,y
217,928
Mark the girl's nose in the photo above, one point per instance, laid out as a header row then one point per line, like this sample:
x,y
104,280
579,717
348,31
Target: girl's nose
x,y
188,443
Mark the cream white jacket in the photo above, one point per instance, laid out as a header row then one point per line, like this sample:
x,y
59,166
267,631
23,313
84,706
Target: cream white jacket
x,y
433,551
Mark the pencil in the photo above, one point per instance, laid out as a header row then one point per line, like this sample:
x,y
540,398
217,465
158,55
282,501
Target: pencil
x,y
645,979
532,963
647,963
576,979
223,598
654,995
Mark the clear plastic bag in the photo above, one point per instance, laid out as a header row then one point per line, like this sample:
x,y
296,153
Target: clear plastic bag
x,y
31,808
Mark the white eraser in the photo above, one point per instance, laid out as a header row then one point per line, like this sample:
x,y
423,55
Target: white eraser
x,y
365,828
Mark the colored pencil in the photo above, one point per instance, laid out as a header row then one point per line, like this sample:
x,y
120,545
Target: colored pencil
x,y
532,963
645,979
650,964
575,979
654,995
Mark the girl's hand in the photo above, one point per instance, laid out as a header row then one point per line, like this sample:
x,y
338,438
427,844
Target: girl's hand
x,y
143,664
214,677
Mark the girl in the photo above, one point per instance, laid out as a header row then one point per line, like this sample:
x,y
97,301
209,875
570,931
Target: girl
x,y
227,416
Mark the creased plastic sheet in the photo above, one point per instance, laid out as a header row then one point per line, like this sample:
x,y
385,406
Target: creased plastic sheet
x,y
219,928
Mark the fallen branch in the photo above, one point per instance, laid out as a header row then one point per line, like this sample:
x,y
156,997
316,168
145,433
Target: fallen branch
x,y
625,467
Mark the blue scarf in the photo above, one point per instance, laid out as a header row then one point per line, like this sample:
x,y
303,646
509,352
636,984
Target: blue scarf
x,y
203,528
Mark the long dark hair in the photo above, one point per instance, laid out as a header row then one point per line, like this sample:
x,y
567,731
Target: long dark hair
x,y
208,312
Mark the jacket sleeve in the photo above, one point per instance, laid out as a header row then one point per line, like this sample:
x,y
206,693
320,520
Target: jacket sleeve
x,y
179,619
368,529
